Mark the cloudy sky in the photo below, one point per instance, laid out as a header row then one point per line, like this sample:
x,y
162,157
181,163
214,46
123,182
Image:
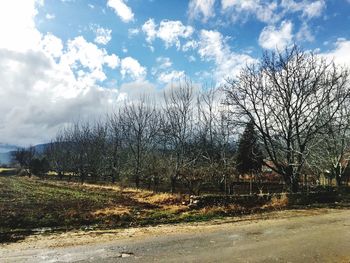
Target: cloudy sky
x,y
65,60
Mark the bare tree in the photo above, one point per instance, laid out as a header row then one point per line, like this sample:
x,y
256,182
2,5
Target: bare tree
x,y
207,124
178,126
286,96
58,154
97,150
24,156
115,146
332,153
226,149
140,126
78,138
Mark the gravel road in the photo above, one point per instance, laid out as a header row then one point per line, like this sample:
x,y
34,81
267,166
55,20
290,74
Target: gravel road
x,y
312,236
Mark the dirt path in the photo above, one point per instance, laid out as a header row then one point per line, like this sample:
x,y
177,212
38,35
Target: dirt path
x,y
290,236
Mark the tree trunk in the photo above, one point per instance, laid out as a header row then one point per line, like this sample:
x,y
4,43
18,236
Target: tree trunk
x,y
292,179
173,184
294,185
338,179
137,181
82,177
137,175
225,183
337,175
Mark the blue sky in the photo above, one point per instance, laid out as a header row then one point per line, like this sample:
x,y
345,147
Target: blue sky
x,y
63,60
238,22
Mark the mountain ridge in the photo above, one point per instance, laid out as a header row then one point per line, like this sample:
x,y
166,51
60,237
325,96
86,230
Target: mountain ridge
x,y
6,151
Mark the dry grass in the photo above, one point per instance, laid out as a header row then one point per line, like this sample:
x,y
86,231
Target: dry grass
x,y
112,211
34,203
48,203
159,198
140,195
277,202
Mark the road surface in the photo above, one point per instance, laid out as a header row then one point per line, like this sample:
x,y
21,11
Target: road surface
x,y
311,236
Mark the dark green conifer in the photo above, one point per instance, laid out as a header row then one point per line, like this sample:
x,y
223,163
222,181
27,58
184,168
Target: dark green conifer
x,y
249,157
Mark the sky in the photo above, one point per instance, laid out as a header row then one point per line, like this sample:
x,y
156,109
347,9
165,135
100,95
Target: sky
x,y
67,60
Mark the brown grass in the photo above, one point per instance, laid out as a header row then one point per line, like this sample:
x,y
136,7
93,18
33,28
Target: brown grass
x,y
109,211
277,202
33,203
159,198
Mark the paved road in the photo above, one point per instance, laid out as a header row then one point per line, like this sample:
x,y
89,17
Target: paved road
x,y
321,237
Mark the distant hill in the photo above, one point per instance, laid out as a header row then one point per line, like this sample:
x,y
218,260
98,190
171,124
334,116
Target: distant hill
x,y
7,147
5,158
39,148
6,151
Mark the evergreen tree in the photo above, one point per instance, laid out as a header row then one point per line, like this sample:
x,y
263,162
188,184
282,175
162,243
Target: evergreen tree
x,y
249,157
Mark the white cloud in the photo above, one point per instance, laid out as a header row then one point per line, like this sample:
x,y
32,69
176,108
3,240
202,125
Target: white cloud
x,y
213,47
52,45
103,35
39,96
133,32
130,66
17,27
314,9
171,76
164,62
134,90
201,8
271,12
239,9
50,16
112,61
87,55
164,73
149,28
305,34
272,37
122,10
190,45
341,53
169,31
309,9
46,83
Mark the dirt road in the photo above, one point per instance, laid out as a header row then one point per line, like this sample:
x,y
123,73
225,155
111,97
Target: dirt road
x,y
292,236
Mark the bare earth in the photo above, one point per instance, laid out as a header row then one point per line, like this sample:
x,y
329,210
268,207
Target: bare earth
x,y
321,235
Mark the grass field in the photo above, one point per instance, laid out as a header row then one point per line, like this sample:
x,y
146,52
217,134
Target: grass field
x,y
32,203
27,203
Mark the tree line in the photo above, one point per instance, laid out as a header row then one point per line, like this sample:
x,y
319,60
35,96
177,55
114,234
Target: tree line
x,y
186,138
292,106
